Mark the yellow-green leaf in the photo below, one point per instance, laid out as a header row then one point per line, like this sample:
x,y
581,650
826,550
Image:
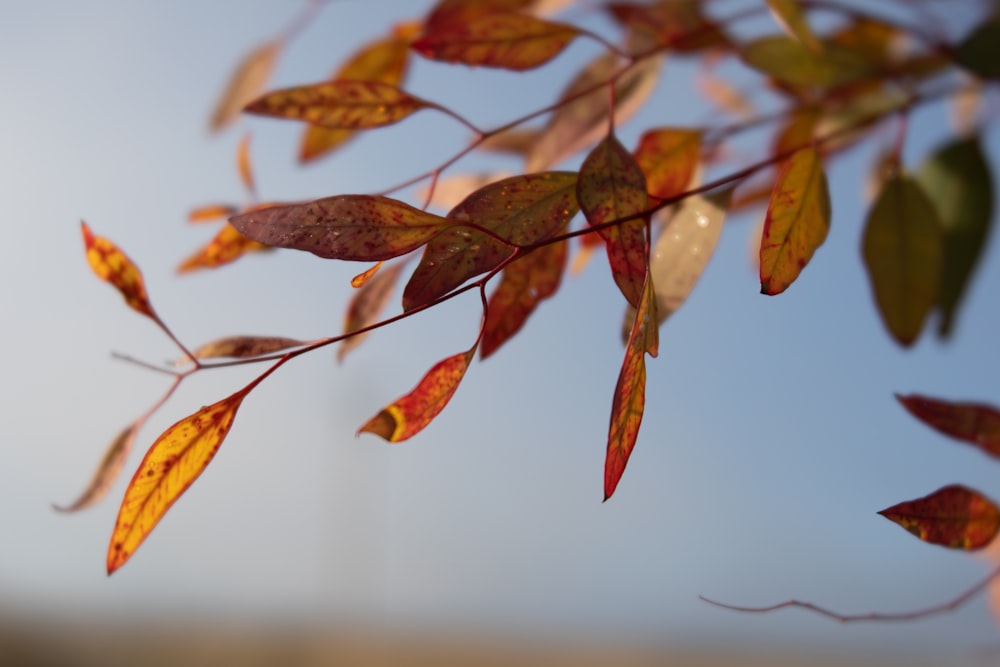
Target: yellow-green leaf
x,y
790,62
107,471
788,14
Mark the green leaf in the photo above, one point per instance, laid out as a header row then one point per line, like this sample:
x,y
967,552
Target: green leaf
x,y
979,52
790,62
957,179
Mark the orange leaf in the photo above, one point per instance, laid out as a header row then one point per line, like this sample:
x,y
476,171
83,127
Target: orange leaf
x,y
362,278
668,157
519,211
797,131
243,164
246,82
113,266
511,41
630,392
409,414
524,284
612,186
953,516
974,423
227,246
172,463
366,304
798,219
244,347
211,212
107,471
352,105
366,228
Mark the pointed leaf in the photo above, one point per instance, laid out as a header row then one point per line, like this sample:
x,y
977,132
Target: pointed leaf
x,y
979,52
170,466
668,157
365,228
511,41
903,250
227,246
953,516
612,186
107,471
798,219
353,105
244,347
113,266
362,278
957,179
409,414
788,14
975,423
630,392
524,283
211,212
366,305
245,83
243,164
521,211
790,62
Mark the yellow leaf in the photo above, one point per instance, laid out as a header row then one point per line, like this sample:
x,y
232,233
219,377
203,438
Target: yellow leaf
x,y
113,266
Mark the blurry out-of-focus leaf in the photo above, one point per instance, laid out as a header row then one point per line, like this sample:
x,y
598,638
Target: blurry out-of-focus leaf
x,y
668,157
226,246
790,62
211,212
366,304
903,249
243,165
789,15
245,83
107,472
113,266
797,130
446,12
954,516
724,95
958,181
974,423
451,190
244,347
351,105
680,25
979,52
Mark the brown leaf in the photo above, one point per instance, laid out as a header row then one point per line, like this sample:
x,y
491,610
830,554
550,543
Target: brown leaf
x,y
245,83
974,423
366,305
954,516
244,347
351,105
107,472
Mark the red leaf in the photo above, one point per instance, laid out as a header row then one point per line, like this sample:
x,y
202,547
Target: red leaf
x,y
953,516
974,423
668,157
462,11
678,24
352,105
409,414
113,266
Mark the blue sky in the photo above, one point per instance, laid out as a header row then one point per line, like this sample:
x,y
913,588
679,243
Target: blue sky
x,y
771,437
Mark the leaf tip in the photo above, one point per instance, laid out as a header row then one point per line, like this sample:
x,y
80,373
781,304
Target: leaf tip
x,y
384,425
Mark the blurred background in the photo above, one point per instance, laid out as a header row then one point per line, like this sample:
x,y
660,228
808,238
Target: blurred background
x,y
771,435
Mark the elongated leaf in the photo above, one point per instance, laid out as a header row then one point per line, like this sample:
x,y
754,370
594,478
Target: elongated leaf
x,y
170,466
365,228
409,414
243,165
979,52
352,105
107,472
788,14
366,305
680,25
245,83
612,186
903,248
630,392
519,211
957,179
113,266
798,219
507,40
790,62
244,347
974,423
226,246
447,12
724,95
212,212
523,285
953,516
668,157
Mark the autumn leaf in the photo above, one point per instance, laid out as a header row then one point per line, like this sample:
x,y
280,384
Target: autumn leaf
x,y
668,157
107,472
245,83
244,347
211,212
979,52
954,516
524,283
362,278
680,25
517,212
797,131
226,246
903,250
974,423
798,219
447,12
506,40
788,14
724,95
113,266
409,414
351,105
243,165
790,62
366,305
612,186
630,392
170,466
366,228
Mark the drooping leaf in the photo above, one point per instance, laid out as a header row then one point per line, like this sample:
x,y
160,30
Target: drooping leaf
x,y
680,25
244,347
903,251
366,305
798,219
612,186
668,157
409,414
107,472
226,246
974,423
630,392
953,516
790,62
519,211
979,52
246,82
957,179
365,228
351,105
170,466
243,165
584,108
523,285
788,14
506,40
113,266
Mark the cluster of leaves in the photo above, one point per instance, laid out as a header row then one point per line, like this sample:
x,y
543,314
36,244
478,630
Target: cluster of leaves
x,y
650,208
